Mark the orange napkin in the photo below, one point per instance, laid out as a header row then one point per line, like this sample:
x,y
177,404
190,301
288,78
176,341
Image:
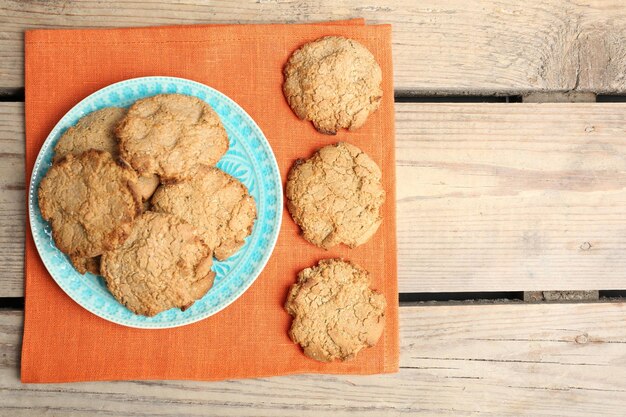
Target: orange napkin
x,y
63,342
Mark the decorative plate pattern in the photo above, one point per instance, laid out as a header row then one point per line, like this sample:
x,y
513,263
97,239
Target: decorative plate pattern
x,y
250,159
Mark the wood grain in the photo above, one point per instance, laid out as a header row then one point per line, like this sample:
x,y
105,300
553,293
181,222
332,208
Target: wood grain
x,y
511,197
491,197
491,360
12,199
440,46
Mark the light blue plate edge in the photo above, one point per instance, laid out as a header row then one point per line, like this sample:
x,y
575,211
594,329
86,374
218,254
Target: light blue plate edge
x,y
74,114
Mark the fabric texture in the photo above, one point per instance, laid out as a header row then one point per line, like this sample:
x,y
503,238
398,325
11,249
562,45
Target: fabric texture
x,y
63,342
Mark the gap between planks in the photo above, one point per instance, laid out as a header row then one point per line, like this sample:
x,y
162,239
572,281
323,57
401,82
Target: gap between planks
x,y
491,197
439,47
504,360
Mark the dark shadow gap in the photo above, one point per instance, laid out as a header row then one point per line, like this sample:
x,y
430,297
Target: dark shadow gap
x,y
11,94
461,296
612,293
12,303
610,99
401,98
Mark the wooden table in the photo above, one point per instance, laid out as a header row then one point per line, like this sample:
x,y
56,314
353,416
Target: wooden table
x,y
525,195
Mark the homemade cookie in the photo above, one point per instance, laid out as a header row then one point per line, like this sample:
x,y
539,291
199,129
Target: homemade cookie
x,y
333,82
163,264
335,196
94,131
84,265
171,135
97,131
90,202
216,203
335,313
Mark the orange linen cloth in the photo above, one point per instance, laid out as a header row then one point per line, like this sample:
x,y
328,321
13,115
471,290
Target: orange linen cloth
x,y
63,342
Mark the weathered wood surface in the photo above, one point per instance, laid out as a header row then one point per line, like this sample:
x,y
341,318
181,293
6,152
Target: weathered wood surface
x,y
491,197
496,360
517,197
440,46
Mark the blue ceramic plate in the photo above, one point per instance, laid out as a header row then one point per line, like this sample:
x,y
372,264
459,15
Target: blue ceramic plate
x,y
250,159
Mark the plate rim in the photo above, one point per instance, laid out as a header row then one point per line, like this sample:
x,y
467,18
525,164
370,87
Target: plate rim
x,y
271,244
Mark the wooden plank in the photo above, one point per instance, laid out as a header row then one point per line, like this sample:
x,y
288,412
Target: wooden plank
x,y
491,197
511,197
12,199
440,46
491,360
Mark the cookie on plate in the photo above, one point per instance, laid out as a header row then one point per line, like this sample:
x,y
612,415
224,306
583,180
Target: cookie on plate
x,y
97,131
94,131
84,265
335,312
171,135
218,204
90,201
336,196
163,264
334,82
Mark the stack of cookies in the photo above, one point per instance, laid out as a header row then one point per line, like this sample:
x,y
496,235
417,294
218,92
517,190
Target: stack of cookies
x,y
134,195
335,197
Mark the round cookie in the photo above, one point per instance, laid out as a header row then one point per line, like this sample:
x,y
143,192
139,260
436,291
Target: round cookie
x,y
97,131
216,203
163,264
94,131
336,196
171,135
334,82
90,202
335,313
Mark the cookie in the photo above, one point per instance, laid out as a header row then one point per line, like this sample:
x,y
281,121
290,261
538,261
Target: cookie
x,y
84,265
171,135
94,131
97,131
90,202
336,196
335,313
216,203
334,82
163,264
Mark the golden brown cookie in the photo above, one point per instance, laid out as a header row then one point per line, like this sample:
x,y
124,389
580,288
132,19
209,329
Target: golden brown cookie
x,y
163,264
334,82
84,265
90,202
216,203
171,135
336,196
97,131
335,313
94,131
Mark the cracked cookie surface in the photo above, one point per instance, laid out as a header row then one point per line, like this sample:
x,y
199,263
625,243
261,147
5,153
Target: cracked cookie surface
x,y
216,203
163,264
171,135
90,201
335,312
336,196
334,82
97,131
93,131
